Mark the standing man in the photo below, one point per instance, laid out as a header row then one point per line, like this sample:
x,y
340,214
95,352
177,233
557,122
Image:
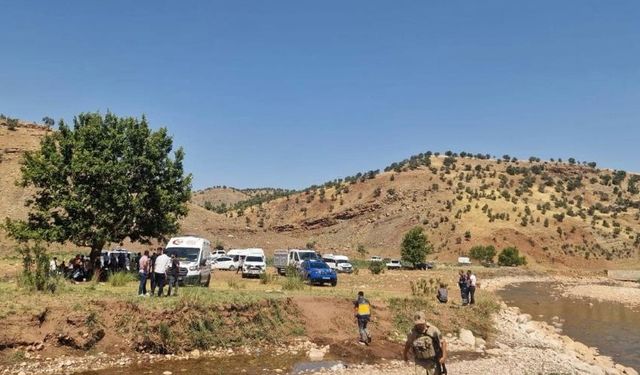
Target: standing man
x,y
472,281
464,287
429,349
174,271
160,270
362,310
152,265
143,273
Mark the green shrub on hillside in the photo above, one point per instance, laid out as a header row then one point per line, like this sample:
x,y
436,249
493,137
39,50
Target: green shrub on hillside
x,y
484,254
510,256
376,268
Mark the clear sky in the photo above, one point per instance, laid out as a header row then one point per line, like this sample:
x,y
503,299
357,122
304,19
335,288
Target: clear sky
x,y
292,93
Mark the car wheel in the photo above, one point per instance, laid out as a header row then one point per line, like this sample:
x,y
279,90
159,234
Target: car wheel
x,y
208,281
232,268
334,283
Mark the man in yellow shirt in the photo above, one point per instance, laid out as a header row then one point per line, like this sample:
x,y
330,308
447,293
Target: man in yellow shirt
x,y
362,310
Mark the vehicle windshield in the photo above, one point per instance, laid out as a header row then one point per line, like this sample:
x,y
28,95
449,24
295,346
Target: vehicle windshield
x,y
187,254
253,259
222,259
308,255
318,265
342,261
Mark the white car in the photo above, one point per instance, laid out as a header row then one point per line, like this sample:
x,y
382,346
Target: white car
x,y
394,264
340,263
217,254
375,258
224,263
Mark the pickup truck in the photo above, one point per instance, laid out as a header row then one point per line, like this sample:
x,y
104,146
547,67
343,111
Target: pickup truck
x,y
394,264
292,258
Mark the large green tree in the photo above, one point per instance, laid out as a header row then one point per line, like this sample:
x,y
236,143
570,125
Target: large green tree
x,y
103,180
415,246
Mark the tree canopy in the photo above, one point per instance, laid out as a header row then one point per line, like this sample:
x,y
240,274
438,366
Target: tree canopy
x,y
484,254
415,246
106,179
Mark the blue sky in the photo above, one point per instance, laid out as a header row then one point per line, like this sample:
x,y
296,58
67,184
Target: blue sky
x,y
292,93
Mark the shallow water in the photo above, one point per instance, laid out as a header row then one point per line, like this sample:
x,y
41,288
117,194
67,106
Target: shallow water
x,y
611,327
241,364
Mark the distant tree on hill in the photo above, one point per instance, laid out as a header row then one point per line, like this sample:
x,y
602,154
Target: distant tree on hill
x,y
48,121
376,192
484,254
510,256
104,180
415,246
361,250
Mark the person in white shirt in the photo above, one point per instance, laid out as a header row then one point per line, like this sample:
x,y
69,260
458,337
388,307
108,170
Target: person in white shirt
x,y
472,287
160,270
53,265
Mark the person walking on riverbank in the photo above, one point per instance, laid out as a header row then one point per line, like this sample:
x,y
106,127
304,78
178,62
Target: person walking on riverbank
x,y
362,309
428,347
464,287
471,282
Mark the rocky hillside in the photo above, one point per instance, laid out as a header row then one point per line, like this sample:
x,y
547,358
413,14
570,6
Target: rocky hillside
x,y
556,212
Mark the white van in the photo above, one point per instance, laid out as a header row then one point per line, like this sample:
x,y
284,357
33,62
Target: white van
x,y
254,263
193,253
340,263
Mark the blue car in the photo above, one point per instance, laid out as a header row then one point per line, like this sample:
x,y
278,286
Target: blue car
x,y
317,271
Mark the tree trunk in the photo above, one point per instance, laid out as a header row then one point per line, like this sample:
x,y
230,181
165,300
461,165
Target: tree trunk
x,y
96,252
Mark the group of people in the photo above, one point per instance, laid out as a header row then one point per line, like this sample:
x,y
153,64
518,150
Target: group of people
x,y
425,340
160,269
77,269
467,283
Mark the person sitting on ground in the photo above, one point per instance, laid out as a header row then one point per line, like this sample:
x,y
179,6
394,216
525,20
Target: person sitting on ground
x,y
428,346
362,309
443,293
53,266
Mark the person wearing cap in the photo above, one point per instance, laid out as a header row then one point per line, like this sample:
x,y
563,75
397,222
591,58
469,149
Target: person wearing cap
x,y
428,347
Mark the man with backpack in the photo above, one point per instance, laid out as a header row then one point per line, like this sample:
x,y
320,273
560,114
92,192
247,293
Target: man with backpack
x,y
428,347
362,310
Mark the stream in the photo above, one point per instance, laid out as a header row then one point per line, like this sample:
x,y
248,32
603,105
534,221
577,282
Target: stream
x,y
610,326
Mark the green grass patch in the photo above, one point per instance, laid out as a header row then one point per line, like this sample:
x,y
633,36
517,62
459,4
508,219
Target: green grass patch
x,y
120,279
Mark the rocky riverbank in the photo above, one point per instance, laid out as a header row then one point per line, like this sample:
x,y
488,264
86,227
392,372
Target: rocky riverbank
x,y
626,293
522,346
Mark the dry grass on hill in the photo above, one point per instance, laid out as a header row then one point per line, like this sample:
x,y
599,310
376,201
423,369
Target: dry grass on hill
x,y
469,202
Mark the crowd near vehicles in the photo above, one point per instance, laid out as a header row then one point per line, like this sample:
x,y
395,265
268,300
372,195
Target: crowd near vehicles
x,y
193,253
316,271
292,258
340,263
